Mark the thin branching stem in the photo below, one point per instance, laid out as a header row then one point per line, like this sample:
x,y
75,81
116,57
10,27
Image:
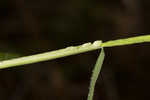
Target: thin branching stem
x,y
71,51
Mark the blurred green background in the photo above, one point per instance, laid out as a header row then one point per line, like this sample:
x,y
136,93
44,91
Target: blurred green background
x,y
35,26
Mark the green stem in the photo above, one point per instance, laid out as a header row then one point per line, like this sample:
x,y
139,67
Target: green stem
x,y
127,41
71,51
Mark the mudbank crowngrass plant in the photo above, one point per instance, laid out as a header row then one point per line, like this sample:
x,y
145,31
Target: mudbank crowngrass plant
x,y
72,50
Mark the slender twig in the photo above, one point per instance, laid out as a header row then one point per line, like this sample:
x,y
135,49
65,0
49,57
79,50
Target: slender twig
x,y
71,51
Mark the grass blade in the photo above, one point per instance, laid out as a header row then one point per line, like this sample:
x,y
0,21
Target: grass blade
x,y
95,74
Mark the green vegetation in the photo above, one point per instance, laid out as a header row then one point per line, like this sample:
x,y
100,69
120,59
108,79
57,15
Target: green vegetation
x,y
95,74
72,50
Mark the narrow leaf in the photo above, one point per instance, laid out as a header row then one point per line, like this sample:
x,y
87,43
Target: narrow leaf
x,y
95,74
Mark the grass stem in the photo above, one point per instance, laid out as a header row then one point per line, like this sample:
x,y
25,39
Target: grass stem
x,y
71,51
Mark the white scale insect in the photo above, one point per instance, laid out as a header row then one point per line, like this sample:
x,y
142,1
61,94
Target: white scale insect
x,y
86,45
97,43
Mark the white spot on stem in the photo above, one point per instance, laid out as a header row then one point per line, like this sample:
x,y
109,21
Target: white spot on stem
x,y
97,43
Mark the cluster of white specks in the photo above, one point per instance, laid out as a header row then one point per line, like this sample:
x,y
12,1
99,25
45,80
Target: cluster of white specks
x,y
97,43
86,44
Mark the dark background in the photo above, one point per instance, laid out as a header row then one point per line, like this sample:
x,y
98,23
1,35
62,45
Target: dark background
x,y
35,26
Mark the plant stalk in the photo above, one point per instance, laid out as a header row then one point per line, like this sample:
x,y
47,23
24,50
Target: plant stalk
x,y
72,50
